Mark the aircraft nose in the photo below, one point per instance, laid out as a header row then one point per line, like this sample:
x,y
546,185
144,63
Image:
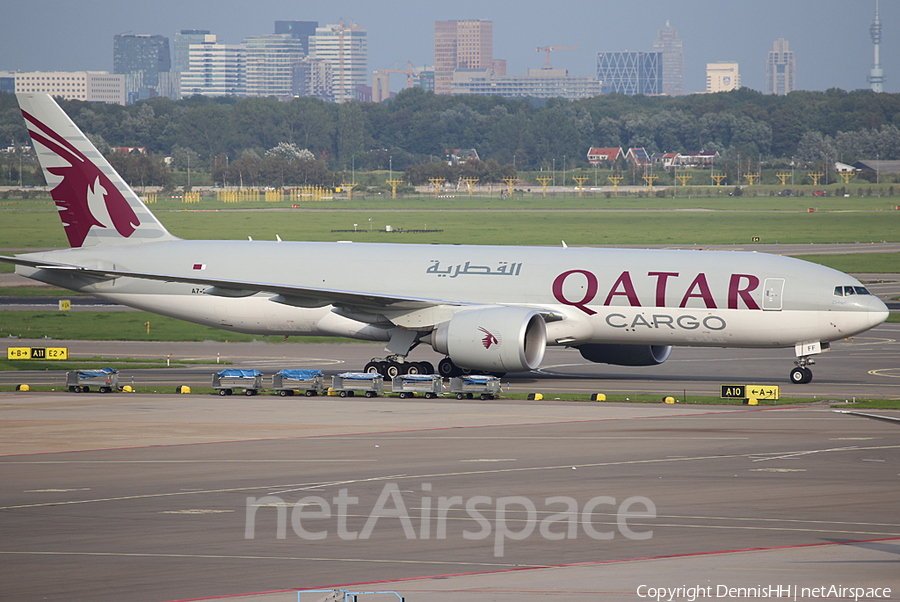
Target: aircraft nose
x,y
878,312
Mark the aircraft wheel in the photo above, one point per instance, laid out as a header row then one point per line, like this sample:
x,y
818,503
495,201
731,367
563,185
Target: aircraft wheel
x,y
447,368
372,368
412,368
801,376
426,368
392,369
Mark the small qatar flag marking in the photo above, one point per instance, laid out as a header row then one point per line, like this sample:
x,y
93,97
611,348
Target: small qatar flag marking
x,y
199,266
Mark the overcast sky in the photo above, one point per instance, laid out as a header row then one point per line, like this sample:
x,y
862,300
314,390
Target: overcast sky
x,y
830,38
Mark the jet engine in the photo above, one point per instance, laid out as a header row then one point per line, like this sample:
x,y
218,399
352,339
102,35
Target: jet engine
x,y
626,355
493,339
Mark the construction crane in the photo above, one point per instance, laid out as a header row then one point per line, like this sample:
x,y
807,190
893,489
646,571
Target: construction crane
x,y
547,49
341,28
381,81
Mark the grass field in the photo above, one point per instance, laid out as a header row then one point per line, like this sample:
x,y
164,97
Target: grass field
x,y
119,363
859,404
508,222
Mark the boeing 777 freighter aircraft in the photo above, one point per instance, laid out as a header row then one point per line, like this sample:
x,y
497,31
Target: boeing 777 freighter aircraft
x,y
487,308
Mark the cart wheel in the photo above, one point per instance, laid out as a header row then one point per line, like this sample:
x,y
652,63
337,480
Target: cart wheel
x,y
85,389
429,395
223,392
104,389
403,396
485,396
371,394
343,394
460,396
248,392
283,392
228,391
310,393
73,390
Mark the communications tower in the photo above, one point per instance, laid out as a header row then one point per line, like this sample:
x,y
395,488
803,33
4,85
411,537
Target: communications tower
x,y
876,74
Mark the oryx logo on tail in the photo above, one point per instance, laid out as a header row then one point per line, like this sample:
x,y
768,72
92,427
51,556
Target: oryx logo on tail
x,y
85,196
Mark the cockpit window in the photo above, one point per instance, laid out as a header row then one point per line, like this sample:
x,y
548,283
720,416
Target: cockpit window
x,y
846,291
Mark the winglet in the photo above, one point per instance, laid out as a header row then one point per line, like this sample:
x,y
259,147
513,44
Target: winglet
x,y
95,204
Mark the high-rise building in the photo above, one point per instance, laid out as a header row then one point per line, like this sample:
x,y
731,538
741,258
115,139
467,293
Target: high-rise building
x,y
299,30
270,64
461,45
630,73
215,70
781,74
90,86
181,47
144,54
313,77
345,47
722,77
669,45
538,83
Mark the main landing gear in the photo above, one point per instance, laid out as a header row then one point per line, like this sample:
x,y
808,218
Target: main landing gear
x,y
394,365
448,369
801,374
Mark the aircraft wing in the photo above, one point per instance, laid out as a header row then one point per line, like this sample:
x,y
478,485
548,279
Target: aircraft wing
x,y
300,296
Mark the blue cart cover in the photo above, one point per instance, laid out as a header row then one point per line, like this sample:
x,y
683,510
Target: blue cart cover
x,y
419,377
238,373
477,378
359,375
300,374
95,373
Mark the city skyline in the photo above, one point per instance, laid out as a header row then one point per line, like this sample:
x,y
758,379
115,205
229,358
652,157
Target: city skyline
x,y
832,43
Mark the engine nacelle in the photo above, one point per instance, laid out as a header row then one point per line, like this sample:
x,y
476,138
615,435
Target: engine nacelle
x,y
626,355
493,339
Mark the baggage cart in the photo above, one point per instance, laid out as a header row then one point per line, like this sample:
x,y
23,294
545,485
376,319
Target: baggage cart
x,y
312,382
226,381
347,383
408,384
105,380
467,387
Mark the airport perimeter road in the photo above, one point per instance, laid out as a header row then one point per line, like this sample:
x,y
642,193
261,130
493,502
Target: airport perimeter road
x,y
865,366
439,500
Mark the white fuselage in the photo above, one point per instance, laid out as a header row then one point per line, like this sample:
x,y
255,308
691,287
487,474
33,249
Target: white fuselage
x,y
620,296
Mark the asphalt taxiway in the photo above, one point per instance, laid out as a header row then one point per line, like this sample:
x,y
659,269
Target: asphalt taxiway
x,y
175,497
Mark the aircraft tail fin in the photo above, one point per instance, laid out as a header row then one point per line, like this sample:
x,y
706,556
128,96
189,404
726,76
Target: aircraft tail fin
x,y
97,207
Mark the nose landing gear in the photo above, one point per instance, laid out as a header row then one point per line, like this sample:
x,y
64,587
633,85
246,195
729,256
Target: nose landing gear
x,y
801,374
